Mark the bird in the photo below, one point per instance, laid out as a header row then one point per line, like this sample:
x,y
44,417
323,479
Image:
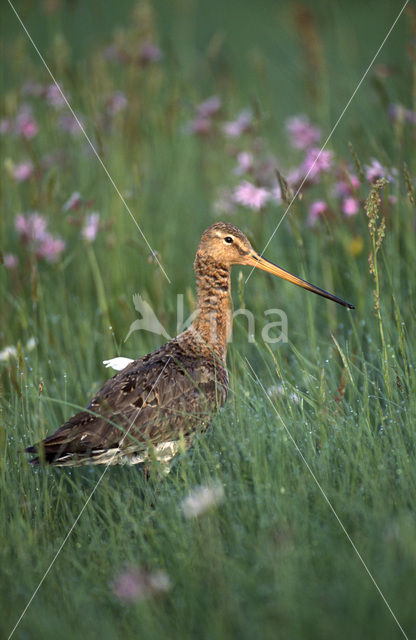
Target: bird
x,y
156,405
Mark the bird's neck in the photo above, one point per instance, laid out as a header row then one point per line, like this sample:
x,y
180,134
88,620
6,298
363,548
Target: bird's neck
x,y
213,322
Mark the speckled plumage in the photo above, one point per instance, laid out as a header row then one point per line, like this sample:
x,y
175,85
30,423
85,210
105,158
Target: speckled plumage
x,y
166,397
159,398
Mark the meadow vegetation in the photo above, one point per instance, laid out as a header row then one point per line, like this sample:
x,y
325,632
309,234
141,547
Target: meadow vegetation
x,y
201,114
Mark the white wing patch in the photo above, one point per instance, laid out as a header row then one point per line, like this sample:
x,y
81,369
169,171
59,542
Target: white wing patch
x,y
117,363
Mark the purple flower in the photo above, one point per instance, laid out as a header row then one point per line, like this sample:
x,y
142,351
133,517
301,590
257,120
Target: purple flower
x,y
346,186
317,209
50,248
316,161
399,113
302,133
5,126
90,229
31,228
240,125
149,53
10,261
350,206
135,584
68,123
73,203
248,195
375,171
245,162
209,107
54,96
276,195
116,102
113,52
32,88
23,171
26,125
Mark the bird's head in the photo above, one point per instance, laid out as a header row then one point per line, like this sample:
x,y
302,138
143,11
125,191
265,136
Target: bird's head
x,y
226,245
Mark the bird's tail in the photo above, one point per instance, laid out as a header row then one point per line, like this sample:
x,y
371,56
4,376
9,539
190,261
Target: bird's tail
x,y
73,444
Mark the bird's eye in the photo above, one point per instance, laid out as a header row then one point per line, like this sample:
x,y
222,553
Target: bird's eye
x,y
228,239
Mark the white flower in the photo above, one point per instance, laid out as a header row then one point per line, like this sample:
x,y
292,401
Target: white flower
x,y
280,390
7,353
135,584
31,344
201,499
90,229
117,363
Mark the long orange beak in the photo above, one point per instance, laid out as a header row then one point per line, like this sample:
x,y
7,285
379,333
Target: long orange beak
x,y
256,260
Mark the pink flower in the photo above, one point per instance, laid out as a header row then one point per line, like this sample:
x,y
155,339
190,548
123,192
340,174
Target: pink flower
x,y
5,126
209,107
73,203
10,261
135,584
31,228
54,96
149,53
316,161
302,133
242,124
23,171
50,248
245,163
251,196
68,123
317,209
26,125
225,205
375,170
265,171
200,126
350,206
294,176
116,102
90,228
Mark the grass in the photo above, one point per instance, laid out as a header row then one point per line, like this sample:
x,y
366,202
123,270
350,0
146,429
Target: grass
x,y
271,560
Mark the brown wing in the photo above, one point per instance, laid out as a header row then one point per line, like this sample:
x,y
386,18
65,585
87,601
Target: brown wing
x,y
154,399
